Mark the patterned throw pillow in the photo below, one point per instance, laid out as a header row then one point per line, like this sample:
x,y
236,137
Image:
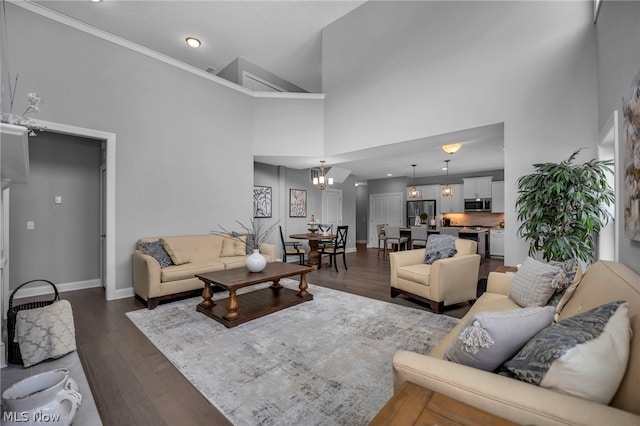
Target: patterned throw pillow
x,y
535,282
157,251
585,355
439,246
46,332
570,268
490,338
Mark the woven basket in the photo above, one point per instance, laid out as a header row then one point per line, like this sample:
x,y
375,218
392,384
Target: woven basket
x,y
14,356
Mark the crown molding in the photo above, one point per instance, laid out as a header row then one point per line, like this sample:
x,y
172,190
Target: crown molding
x,y
112,38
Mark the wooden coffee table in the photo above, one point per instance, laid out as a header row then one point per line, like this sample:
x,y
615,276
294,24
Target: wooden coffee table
x,y
238,309
416,405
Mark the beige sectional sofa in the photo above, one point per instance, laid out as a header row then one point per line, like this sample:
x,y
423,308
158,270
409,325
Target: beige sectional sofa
x,y
190,255
522,402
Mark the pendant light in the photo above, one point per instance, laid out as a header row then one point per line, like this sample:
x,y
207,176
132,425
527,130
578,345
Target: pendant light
x,y
413,192
322,181
447,191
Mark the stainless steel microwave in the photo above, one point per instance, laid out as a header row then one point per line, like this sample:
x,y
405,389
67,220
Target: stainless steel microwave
x,y
477,205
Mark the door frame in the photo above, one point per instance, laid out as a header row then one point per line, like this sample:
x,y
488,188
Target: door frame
x,y
110,197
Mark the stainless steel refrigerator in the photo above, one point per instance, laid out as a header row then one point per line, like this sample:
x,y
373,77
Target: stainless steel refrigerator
x,y
416,208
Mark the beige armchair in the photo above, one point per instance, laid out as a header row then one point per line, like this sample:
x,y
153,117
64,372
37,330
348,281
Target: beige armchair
x,y
443,283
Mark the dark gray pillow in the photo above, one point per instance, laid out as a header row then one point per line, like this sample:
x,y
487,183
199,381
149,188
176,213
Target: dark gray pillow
x,y
490,338
157,251
439,246
535,282
585,355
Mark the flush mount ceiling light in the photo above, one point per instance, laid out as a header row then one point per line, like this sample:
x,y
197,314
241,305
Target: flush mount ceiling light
x,y
193,42
95,1
413,192
447,191
452,148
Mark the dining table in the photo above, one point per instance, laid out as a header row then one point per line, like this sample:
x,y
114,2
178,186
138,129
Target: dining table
x,y
314,242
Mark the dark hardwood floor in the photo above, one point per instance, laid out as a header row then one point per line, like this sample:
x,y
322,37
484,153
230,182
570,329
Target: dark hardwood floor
x,y
134,384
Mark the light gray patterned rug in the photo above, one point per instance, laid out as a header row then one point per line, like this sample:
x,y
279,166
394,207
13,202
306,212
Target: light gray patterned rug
x,y
322,362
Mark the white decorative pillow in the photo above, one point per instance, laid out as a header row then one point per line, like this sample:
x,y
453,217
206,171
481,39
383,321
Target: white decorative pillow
x,y
46,332
490,338
585,355
535,282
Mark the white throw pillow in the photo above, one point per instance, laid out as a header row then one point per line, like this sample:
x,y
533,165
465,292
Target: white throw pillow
x,y
490,338
585,355
46,332
535,282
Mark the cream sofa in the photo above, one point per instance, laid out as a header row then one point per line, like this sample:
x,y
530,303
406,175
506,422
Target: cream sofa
x,y
525,403
193,254
443,283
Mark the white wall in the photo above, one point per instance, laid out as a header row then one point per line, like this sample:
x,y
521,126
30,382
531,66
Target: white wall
x,y
292,127
618,36
184,144
416,69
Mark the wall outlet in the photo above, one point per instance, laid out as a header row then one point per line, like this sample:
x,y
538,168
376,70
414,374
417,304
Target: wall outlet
x,y
31,224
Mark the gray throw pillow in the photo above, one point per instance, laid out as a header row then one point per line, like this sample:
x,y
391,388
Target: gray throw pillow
x,y
570,269
157,251
439,246
488,339
585,355
535,282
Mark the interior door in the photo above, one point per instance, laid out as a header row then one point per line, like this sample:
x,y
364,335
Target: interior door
x,y
384,208
103,227
332,207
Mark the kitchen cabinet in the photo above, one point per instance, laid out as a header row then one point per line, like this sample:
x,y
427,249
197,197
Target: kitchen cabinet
x,y
496,242
497,197
427,192
479,187
453,204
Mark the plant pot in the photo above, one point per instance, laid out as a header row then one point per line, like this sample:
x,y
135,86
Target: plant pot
x,y
256,262
46,398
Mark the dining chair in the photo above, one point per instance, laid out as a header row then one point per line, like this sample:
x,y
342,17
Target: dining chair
x,y
392,236
291,248
325,227
337,247
419,236
381,237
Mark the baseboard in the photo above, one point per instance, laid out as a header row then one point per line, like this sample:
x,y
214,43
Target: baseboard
x,y
29,291
123,293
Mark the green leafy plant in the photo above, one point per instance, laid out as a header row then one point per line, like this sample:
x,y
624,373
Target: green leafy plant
x,y
424,217
562,206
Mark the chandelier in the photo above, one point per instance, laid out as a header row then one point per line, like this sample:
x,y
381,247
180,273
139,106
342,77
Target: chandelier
x,y
447,191
413,192
321,181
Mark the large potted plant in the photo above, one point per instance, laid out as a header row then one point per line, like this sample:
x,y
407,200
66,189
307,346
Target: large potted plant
x,y
562,207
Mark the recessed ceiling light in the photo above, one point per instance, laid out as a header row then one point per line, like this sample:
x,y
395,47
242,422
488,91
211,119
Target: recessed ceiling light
x,y
389,174
193,42
95,1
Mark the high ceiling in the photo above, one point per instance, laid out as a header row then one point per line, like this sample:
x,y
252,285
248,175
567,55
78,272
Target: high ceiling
x,y
283,37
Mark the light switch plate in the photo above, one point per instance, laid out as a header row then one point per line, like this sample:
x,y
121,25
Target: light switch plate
x,y
58,199
31,224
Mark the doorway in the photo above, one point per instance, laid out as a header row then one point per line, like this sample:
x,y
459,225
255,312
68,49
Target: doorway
x,y
108,186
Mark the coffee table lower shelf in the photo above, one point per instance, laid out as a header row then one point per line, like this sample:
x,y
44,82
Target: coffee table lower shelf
x,y
255,304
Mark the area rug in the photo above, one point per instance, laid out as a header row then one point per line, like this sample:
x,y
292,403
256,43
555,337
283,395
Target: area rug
x,y
322,362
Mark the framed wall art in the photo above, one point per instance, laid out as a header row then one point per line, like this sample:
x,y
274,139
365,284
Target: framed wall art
x,y
297,203
261,201
631,176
